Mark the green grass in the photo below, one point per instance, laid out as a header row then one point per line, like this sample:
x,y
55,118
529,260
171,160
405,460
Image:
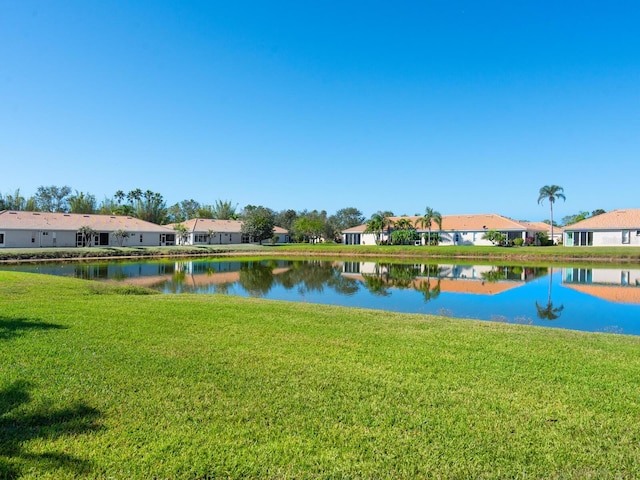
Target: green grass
x,y
521,254
101,382
549,254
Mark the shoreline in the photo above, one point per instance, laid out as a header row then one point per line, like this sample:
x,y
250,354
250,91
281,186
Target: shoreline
x,y
621,255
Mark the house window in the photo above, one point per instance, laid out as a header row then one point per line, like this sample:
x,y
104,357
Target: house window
x,y
245,238
626,236
201,238
140,238
1,239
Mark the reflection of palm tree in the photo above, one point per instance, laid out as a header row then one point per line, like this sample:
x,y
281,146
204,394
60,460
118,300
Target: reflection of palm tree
x,y
376,285
548,311
428,292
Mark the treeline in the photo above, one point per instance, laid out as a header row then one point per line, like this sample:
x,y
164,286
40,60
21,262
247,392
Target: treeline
x,y
150,206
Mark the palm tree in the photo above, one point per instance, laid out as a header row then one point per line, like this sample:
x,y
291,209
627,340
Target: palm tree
x,y
224,210
430,216
120,195
552,193
376,225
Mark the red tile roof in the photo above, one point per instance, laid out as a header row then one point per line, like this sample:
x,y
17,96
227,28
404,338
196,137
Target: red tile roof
x,y
20,220
628,218
462,223
203,225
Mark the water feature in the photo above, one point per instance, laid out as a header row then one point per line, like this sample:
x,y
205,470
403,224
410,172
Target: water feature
x,y
590,299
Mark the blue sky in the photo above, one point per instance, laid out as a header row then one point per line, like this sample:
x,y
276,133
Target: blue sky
x,y
463,106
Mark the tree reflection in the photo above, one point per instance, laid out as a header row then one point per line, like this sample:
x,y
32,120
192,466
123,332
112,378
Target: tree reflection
x,y
376,284
549,311
428,292
256,278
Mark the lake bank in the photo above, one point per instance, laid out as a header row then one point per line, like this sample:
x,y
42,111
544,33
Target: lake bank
x,y
556,254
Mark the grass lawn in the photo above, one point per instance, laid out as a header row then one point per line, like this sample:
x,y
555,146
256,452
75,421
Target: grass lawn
x,y
619,255
101,381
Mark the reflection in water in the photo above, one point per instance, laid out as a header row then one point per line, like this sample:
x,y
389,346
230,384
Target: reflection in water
x,y
581,298
548,311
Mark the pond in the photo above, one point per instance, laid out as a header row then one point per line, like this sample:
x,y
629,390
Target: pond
x,y
588,299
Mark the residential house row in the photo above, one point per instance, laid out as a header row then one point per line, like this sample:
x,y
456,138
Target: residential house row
x,y
21,229
618,227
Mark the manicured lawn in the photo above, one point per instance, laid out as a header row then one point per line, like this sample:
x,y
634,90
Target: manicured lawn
x,y
108,382
620,255
549,254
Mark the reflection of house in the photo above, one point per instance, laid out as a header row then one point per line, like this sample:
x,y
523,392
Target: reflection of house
x,y
205,231
615,285
456,230
618,227
189,280
42,229
473,279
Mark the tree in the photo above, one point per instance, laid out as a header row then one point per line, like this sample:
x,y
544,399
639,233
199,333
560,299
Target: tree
x,y
82,203
428,219
120,196
224,210
597,212
13,202
404,236
309,227
151,207
185,210
52,198
210,234
347,218
494,237
182,233
377,224
258,224
87,234
121,235
575,218
551,193
285,219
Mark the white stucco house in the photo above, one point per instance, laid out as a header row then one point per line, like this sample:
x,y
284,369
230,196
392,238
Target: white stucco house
x,y
456,230
19,229
614,228
206,231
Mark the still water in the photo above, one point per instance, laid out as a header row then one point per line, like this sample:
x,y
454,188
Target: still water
x,y
589,299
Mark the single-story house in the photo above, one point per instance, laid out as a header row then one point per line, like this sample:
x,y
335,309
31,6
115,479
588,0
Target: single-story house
x,y
206,231
20,229
618,227
456,230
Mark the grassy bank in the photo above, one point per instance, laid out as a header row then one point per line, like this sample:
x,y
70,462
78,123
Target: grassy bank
x,y
111,382
619,255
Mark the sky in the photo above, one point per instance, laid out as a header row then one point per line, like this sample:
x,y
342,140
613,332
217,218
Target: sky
x,y
461,106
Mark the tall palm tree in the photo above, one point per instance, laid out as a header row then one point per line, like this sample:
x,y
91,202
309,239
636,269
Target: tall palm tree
x,y
430,216
551,193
